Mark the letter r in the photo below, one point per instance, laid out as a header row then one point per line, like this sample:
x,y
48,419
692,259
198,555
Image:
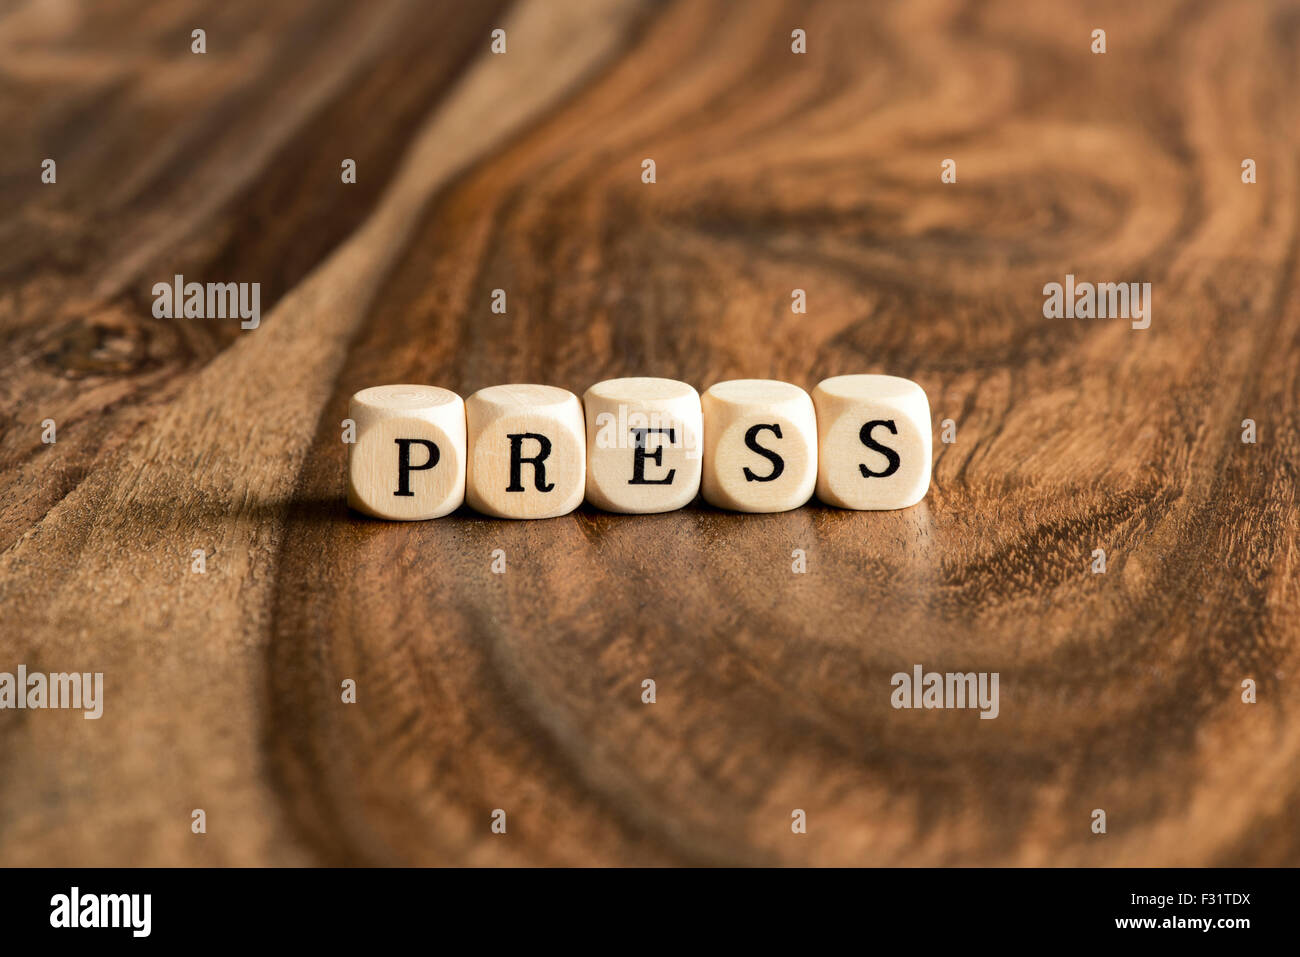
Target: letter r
x,y
538,461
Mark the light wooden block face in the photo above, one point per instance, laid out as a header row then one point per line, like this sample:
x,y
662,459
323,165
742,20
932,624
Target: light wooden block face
x,y
527,451
408,460
760,445
643,444
875,438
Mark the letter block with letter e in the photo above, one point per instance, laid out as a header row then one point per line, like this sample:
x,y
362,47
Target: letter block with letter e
x,y
408,460
875,439
760,445
527,451
643,444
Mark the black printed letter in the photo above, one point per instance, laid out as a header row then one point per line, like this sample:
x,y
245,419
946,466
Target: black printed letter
x,y
517,462
778,463
888,453
404,466
657,456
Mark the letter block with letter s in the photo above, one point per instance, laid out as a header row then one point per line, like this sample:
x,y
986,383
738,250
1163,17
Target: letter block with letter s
x,y
760,445
875,437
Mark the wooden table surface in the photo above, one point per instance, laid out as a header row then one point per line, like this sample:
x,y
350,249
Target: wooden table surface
x,y
476,691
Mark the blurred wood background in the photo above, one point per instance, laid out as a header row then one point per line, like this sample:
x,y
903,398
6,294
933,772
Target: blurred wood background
x,y
776,171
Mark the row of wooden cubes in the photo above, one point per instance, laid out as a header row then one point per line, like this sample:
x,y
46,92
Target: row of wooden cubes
x,y
639,445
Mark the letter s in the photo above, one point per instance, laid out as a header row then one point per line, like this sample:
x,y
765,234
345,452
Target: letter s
x,y
890,455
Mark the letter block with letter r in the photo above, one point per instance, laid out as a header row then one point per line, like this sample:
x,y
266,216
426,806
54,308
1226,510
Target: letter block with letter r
x,y
527,451
643,444
408,460
760,445
875,439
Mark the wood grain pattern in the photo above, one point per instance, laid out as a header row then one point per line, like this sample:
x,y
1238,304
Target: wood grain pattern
x,y
775,171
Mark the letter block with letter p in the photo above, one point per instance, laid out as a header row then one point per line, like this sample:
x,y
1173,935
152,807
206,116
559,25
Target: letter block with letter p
x,y
760,445
875,438
643,444
408,460
527,451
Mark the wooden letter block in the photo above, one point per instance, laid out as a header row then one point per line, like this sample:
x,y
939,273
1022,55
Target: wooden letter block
x,y
760,445
527,451
875,437
643,444
408,460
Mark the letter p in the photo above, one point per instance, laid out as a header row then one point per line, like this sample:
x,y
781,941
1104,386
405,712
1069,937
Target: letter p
x,y
404,466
